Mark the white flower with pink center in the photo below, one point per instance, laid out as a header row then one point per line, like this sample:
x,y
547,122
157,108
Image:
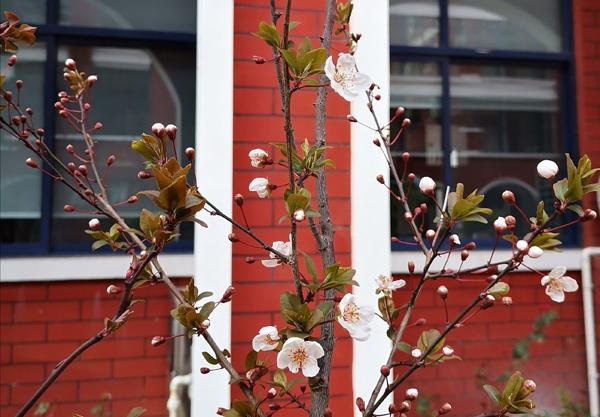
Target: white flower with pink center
x,y
557,284
299,355
266,339
345,78
355,317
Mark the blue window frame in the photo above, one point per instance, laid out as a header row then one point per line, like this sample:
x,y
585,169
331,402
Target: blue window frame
x,y
173,46
441,67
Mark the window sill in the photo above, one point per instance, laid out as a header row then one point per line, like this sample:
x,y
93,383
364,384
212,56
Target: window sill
x,y
570,258
69,268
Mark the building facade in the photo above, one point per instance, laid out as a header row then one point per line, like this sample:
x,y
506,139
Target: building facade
x,y
491,86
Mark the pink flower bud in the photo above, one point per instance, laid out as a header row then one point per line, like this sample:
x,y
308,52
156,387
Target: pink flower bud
x,y
589,215
258,59
233,237
68,208
19,83
351,118
380,179
509,197
204,370
511,222
464,254
72,167
360,403
529,385
406,123
63,113
239,199
205,324
94,224
250,260
189,153
299,215
376,142
427,185
83,169
421,321
133,199
507,300
488,302
454,239
411,267
399,112
228,294
271,393
442,291
416,353
31,163
411,394
408,216
144,175
522,246
535,252
98,126
70,64
500,225
405,406
171,131
158,340
447,351
111,160
91,80
385,370
430,234
547,169
12,60
113,290
158,129
445,409
405,156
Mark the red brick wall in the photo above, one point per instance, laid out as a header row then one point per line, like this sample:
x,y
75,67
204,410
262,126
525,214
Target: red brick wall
x,y
486,342
258,121
41,323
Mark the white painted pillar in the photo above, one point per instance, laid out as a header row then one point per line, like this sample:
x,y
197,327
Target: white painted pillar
x,y
214,170
371,254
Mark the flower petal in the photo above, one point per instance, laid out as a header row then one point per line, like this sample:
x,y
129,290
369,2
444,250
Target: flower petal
x,y
310,367
329,68
268,330
270,263
399,283
314,349
545,280
362,82
558,272
568,284
258,343
345,62
283,359
555,294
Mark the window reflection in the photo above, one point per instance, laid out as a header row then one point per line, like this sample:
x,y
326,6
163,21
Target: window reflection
x,y
414,23
135,89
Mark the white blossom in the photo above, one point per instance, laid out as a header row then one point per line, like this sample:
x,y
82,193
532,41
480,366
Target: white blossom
x,y
386,283
500,224
345,78
535,252
266,339
522,245
94,224
258,158
261,186
557,284
416,353
299,215
284,248
355,317
427,185
299,355
547,169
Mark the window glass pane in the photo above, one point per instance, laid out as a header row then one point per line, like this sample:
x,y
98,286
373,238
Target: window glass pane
x,y
135,88
532,25
21,186
504,120
414,22
416,86
30,11
156,15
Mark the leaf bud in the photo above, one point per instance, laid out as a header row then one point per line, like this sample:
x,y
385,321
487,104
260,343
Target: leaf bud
x,y
113,289
509,197
351,118
380,179
442,291
31,163
68,208
445,409
385,370
189,153
171,131
158,340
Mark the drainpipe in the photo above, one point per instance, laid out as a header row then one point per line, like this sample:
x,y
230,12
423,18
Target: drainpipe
x,y
590,333
178,383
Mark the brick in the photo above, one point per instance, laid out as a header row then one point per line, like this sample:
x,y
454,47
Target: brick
x,y
23,333
5,357
84,369
22,373
6,313
46,311
41,352
110,348
119,388
123,368
21,293
58,392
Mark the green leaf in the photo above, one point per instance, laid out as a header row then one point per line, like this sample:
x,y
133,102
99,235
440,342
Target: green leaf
x,y
98,244
404,347
136,412
310,266
251,360
206,310
279,378
210,359
512,387
492,392
499,289
268,32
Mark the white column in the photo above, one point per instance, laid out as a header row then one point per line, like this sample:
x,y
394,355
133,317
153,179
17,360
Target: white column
x,y
371,253
214,158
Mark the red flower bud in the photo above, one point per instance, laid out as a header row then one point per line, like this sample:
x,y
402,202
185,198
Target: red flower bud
x,y
399,112
189,153
385,370
158,340
250,260
233,237
12,60
68,208
133,199
258,59
144,175
31,163
111,160
421,322
98,126
328,412
171,131
351,118
239,199
19,83
83,170
113,290
464,254
360,403
204,370
405,123
380,179
411,267
376,142
71,166
445,409
228,294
